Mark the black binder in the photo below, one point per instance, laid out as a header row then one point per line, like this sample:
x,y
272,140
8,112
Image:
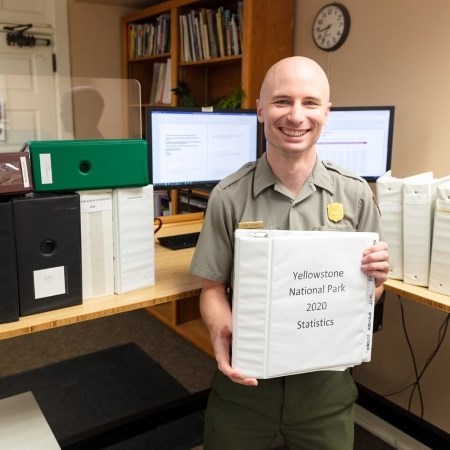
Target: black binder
x,y
48,245
9,295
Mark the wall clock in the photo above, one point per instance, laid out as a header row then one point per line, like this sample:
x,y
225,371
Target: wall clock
x,y
331,26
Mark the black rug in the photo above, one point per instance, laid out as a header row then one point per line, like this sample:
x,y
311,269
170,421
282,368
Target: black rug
x,y
90,391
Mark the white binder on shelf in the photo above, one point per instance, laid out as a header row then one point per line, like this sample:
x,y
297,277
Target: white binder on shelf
x,y
300,302
97,243
419,198
440,251
389,190
134,245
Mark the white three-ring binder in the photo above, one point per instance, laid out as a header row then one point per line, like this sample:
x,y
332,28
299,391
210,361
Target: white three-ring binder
x,y
300,302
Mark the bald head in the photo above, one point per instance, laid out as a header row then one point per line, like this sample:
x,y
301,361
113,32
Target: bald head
x,y
292,72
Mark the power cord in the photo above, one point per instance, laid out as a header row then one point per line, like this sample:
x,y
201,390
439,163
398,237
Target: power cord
x,y
415,385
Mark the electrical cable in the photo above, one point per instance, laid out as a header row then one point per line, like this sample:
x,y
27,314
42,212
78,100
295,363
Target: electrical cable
x,y
413,357
441,334
415,385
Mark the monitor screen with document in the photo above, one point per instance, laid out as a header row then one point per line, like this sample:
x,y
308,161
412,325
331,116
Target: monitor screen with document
x,y
198,147
359,139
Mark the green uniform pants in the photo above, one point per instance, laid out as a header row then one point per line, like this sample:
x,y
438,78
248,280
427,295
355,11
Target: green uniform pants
x,y
313,411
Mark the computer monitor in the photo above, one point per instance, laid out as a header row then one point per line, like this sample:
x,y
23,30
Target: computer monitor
x,y
359,139
198,147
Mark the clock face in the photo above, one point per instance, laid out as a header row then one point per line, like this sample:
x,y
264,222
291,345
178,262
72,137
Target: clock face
x,y
331,26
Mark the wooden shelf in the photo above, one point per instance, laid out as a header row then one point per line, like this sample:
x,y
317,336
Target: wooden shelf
x,y
212,78
212,62
173,282
418,294
195,332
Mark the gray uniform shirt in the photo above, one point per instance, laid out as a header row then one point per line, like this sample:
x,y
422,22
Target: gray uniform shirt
x,y
254,194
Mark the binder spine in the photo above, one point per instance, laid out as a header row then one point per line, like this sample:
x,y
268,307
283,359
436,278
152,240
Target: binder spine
x,y
367,350
440,253
389,194
250,351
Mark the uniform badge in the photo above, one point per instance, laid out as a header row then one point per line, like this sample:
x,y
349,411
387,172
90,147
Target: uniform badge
x,y
335,211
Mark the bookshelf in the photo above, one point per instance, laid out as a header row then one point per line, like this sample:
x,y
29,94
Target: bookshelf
x,y
261,33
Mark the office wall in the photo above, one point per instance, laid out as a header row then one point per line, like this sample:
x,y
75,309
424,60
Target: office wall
x,y
95,39
96,61
396,53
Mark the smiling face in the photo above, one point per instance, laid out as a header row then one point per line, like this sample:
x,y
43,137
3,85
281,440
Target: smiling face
x,y
293,104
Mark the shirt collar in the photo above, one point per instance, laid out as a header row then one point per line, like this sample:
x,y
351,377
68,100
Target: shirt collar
x,y
321,176
265,178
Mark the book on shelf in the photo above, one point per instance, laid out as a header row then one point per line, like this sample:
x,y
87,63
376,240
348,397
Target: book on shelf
x,y
220,36
167,89
149,39
194,38
206,33
160,92
184,37
212,33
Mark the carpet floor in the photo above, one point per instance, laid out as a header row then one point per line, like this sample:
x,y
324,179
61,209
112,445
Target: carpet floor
x,y
90,391
189,366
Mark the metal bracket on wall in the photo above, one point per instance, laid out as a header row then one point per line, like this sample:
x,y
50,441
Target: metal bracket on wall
x,y
16,36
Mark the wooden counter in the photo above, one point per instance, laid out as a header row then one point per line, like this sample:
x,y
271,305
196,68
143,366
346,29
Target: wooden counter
x,y
173,282
418,294
174,297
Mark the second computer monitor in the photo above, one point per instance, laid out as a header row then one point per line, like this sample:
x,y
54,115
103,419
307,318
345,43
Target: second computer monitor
x,y
359,139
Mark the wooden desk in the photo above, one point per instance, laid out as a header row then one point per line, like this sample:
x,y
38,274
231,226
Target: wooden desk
x,y
173,282
418,294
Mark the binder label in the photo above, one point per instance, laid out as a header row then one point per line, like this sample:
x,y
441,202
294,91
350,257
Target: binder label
x,y
49,282
45,162
95,202
25,176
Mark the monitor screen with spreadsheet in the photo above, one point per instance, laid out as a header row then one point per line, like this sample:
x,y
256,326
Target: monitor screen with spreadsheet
x,y
197,147
359,139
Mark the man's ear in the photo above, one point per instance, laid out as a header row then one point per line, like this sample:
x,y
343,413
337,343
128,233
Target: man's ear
x,y
259,111
328,110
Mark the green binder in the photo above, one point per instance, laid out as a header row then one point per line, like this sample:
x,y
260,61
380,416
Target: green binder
x,y
88,164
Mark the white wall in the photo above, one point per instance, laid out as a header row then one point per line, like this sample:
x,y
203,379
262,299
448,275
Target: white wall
x,y
397,53
95,39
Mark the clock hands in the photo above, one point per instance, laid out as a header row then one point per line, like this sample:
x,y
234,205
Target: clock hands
x,y
326,28
326,31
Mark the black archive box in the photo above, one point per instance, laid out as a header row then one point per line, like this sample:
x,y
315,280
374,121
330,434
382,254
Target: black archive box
x,y
9,295
48,248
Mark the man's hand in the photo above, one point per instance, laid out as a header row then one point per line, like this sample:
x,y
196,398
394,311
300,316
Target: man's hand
x,y
216,313
222,346
375,262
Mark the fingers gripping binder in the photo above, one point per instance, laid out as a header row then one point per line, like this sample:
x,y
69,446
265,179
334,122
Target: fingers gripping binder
x,y
300,302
